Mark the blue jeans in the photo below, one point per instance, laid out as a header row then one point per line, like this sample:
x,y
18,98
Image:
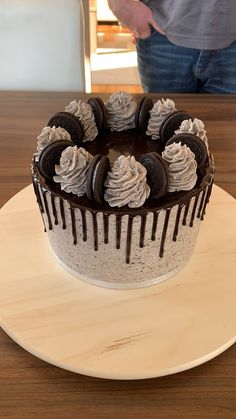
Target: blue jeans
x,y
166,67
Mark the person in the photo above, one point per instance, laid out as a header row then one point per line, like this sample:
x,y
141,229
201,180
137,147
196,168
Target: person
x,y
183,45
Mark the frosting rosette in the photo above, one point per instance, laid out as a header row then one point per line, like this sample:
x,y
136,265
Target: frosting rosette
x,y
195,127
182,167
161,109
84,112
71,172
120,112
126,184
48,135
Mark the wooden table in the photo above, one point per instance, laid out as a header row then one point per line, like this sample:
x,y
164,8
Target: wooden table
x,y
30,387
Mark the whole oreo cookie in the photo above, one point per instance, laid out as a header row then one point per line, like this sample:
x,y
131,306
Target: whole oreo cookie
x,y
51,156
99,112
71,124
195,144
96,177
171,123
157,174
142,113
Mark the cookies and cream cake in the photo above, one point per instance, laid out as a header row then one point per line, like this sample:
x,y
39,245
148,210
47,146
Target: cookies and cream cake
x,y
122,187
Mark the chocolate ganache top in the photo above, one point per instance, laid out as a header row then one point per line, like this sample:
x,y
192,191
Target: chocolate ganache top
x,y
127,143
133,141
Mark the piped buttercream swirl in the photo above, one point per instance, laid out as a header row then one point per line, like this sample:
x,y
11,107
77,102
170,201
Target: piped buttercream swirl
x,y
195,127
84,112
161,109
126,184
71,172
120,112
182,167
48,135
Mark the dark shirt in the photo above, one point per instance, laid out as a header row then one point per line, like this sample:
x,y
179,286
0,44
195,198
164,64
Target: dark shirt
x,y
201,24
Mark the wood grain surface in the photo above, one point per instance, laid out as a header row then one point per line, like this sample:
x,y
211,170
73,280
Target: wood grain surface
x,y
30,387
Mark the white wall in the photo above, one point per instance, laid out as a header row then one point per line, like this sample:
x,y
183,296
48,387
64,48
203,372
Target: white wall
x,y
41,45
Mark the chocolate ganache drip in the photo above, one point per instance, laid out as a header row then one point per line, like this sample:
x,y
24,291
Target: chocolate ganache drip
x,y
43,196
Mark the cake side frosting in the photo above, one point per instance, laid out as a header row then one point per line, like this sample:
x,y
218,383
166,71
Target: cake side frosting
x,y
46,197
143,245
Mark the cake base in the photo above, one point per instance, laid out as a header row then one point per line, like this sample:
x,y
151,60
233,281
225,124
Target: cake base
x,y
118,286
132,334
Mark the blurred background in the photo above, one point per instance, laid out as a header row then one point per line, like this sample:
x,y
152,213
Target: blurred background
x,y
113,53
65,45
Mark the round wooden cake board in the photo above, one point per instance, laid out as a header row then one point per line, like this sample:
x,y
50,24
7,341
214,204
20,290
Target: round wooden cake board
x,y
118,334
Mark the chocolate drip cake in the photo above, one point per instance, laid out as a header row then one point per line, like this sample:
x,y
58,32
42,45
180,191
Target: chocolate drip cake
x,y
122,188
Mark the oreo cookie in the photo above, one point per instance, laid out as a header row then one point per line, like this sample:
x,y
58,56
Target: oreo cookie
x,y
157,174
171,123
71,124
96,177
142,113
51,156
195,144
99,112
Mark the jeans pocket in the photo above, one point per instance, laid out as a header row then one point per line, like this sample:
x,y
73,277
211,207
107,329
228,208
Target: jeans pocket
x,y
152,34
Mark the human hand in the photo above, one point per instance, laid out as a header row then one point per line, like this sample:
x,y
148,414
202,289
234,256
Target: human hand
x,y
135,15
